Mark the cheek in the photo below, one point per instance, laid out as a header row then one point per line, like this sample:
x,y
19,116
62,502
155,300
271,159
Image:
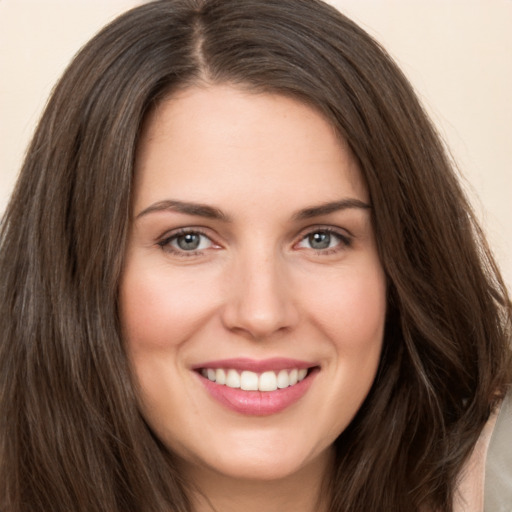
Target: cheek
x,y
160,308
160,311
351,309
353,318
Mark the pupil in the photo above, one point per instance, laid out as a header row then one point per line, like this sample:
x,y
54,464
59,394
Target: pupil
x,y
320,240
189,242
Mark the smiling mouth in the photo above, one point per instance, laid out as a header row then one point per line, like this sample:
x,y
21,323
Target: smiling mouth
x,y
257,388
252,381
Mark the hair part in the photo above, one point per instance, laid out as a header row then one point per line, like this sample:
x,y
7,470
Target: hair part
x,y
71,435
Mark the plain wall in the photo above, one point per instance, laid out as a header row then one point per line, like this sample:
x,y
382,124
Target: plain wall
x,y
457,54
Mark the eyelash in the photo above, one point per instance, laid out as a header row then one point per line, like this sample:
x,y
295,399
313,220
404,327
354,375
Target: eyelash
x,y
165,243
166,246
345,241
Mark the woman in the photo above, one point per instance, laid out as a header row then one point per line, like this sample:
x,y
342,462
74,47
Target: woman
x,y
238,271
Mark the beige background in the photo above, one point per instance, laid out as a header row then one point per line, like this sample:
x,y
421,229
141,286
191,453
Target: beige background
x,y
457,53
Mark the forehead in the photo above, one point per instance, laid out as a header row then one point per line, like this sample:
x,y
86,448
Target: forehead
x,y
203,139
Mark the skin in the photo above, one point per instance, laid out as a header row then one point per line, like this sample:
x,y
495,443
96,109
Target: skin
x,y
257,287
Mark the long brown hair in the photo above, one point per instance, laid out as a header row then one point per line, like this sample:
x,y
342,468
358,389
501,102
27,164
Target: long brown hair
x,y
71,436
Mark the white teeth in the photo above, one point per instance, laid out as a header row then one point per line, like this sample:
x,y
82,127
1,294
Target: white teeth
x,y
268,381
220,376
251,381
283,379
233,379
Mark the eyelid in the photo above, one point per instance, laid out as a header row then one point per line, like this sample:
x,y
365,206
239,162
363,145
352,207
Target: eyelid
x,y
164,241
343,235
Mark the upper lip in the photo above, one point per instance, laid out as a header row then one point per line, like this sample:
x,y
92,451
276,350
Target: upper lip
x,y
255,365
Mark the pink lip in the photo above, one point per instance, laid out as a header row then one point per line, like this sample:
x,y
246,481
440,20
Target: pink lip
x,y
258,403
257,366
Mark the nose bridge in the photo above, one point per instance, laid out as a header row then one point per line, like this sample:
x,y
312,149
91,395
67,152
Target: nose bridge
x,y
260,302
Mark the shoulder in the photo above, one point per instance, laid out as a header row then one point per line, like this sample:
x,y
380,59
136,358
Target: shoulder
x,y
486,483
498,467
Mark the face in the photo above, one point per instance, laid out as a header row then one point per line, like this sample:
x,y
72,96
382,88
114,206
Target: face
x,y
252,298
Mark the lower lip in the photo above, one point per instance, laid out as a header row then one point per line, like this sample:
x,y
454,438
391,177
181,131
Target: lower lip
x,y
258,403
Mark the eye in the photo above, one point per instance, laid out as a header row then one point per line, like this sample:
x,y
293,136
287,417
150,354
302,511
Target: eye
x,y
186,241
324,240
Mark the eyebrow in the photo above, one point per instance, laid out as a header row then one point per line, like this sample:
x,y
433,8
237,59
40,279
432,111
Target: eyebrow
x,y
210,212
196,209
331,207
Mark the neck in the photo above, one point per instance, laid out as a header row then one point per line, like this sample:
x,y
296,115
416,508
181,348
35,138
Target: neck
x,y
302,491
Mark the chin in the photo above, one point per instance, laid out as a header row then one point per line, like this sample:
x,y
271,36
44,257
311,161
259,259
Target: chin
x,y
260,469
259,460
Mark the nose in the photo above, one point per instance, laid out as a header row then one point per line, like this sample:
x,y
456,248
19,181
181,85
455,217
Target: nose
x,y
261,300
